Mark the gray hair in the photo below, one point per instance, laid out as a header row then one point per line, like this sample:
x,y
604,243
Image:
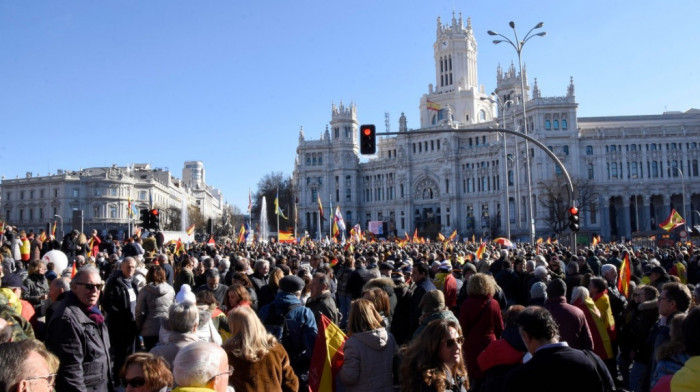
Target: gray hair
x,y
260,263
605,268
183,317
197,363
62,283
540,271
85,271
225,263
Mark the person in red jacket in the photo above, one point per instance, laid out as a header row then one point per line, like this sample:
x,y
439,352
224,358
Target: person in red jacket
x,y
504,354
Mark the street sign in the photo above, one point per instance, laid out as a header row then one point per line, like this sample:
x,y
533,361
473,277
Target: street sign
x,y
683,234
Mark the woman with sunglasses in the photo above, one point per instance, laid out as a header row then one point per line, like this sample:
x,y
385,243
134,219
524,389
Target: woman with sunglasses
x,y
143,372
433,362
260,362
369,350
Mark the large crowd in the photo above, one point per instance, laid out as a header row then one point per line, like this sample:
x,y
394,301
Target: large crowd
x,y
143,315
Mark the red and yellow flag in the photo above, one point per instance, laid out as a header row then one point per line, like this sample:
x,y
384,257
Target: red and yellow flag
x,y
596,240
190,230
674,220
480,251
241,235
328,356
441,237
42,236
433,106
74,270
415,236
623,280
53,229
179,247
453,236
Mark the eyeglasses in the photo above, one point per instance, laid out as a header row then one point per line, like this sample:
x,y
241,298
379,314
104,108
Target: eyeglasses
x,y
458,341
50,379
91,286
134,382
229,372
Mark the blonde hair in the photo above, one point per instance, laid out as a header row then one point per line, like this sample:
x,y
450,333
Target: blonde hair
x,y
363,317
481,284
249,338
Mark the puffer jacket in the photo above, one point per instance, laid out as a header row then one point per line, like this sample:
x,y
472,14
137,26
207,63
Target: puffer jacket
x,y
37,286
368,361
152,305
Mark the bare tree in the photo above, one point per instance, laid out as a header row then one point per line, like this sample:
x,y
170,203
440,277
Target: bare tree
x,y
555,200
270,186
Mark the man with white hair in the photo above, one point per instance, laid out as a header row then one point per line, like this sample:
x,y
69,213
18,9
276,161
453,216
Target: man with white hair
x,y
201,366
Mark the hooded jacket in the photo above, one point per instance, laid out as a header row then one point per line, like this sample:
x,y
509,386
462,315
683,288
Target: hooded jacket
x,y
368,361
152,305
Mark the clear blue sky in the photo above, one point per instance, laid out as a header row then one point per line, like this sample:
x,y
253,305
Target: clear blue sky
x,y
92,83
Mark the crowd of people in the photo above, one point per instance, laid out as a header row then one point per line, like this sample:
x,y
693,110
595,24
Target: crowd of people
x,y
443,316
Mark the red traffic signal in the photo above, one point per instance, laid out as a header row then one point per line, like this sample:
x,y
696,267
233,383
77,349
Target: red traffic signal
x,y
573,211
154,212
573,219
368,139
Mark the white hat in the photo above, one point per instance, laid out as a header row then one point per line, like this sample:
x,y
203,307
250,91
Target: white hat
x,y
185,294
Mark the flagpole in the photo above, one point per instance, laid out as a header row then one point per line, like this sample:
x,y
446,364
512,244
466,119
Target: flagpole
x,y
320,228
330,211
250,211
277,199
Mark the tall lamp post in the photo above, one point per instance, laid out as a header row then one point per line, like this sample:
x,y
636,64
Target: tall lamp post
x,y
685,217
518,46
502,106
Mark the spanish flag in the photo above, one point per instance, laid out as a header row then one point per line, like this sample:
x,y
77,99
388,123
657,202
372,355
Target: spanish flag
x,y
623,280
241,235
179,247
328,356
480,251
320,207
441,237
453,236
596,240
53,230
190,230
674,220
74,270
415,236
434,106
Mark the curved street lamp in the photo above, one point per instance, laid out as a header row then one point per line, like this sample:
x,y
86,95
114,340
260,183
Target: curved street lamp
x,y
518,46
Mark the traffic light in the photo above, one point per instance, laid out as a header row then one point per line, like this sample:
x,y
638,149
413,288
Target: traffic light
x,y
145,218
573,219
368,139
155,219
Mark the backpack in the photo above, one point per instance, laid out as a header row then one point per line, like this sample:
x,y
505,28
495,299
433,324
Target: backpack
x,y
276,324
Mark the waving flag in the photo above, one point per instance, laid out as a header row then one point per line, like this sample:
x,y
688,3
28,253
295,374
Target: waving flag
x,y
623,280
320,208
452,236
190,230
596,240
339,219
415,236
179,247
433,106
328,356
53,229
128,207
250,201
241,235
674,220
480,251
278,211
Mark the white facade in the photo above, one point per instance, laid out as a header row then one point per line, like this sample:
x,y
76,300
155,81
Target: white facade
x,y
101,195
457,181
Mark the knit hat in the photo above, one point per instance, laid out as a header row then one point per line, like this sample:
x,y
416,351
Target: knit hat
x,y
433,301
538,290
291,284
185,294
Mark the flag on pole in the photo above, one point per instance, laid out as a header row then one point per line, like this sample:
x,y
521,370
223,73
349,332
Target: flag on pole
x,y
328,356
480,251
623,280
453,236
334,229
441,237
42,236
190,230
250,201
53,230
674,220
128,207
338,218
415,236
320,208
278,211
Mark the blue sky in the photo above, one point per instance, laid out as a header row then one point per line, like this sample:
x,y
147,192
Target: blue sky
x,y
95,83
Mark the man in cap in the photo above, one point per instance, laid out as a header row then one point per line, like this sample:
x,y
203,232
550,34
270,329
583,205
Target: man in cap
x,y
287,312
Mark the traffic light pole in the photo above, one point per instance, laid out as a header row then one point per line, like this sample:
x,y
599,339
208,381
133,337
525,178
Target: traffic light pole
x,y
508,131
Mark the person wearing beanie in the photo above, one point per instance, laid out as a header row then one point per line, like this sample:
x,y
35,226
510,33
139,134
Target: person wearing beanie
x,y
299,322
185,294
433,308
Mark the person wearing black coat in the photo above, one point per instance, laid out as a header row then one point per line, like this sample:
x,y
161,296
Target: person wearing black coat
x,y
70,244
358,278
421,285
119,305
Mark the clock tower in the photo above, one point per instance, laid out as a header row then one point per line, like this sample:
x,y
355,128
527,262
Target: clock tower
x,y
456,96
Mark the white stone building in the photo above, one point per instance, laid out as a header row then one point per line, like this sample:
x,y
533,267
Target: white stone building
x,y
457,181
101,196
